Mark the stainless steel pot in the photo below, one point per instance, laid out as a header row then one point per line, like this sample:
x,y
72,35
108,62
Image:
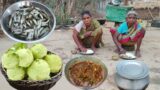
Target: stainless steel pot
x,y
131,84
132,75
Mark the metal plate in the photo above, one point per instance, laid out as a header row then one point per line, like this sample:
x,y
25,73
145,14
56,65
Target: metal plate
x,y
129,56
132,69
88,52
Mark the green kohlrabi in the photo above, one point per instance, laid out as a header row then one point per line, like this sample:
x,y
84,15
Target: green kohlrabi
x,y
39,51
25,57
39,70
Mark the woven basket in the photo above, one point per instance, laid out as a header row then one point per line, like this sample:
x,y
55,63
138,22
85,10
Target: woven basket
x,y
33,85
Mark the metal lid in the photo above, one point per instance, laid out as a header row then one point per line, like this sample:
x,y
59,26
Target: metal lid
x,y
132,69
116,2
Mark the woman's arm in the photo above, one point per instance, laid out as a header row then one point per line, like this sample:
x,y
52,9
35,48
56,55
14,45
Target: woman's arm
x,y
97,28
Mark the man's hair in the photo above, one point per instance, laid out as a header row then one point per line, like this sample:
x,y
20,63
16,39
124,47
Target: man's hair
x,y
86,12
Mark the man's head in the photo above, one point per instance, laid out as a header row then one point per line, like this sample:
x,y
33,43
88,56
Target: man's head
x,y
86,17
131,17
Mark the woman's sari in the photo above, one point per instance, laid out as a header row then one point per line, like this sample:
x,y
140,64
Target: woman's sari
x,y
130,37
95,28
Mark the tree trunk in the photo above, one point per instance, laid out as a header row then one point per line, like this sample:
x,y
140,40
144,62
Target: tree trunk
x,y
125,2
70,6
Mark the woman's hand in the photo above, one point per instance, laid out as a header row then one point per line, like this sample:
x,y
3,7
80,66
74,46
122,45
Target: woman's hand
x,y
122,51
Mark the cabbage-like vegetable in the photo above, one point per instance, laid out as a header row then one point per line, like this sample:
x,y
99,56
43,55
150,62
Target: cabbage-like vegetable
x,y
25,57
16,73
17,46
9,60
39,70
39,51
54,62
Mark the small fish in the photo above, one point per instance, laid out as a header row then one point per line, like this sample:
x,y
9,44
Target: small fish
x,y
35,22
29,30
45,30
10,22
17,31
39,31
41,16
39,24
29,22
30,36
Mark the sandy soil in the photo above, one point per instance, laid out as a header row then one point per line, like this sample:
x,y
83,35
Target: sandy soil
x,y
61,43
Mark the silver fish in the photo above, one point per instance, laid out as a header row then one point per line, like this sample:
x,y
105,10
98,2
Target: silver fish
x,y
29,22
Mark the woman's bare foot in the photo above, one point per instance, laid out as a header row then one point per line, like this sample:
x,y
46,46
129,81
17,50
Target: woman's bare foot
x,y
117,51
137,53
77,50
122,51
83,49
93,48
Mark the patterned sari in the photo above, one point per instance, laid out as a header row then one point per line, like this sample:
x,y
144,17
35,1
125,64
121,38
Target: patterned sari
x,y
131,37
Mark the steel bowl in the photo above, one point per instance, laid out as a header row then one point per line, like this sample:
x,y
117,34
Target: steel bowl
x,y
15,6
81,59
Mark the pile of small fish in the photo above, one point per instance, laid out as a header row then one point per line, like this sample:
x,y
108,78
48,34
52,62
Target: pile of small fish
x,y
29,23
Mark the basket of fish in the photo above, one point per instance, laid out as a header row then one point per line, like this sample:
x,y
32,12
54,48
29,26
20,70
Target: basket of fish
x,y
28,21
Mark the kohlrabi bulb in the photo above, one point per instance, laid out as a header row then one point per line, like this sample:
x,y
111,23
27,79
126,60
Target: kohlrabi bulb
x,y
9,60
25,57
16,73
54,61
39,70
39,51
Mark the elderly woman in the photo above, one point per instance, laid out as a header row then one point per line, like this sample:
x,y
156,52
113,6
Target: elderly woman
x,y
87,33
128,33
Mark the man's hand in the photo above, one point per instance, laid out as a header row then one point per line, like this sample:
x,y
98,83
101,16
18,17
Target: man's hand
x,y
87,34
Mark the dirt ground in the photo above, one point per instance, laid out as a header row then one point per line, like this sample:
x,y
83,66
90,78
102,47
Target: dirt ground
x,y
61,43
